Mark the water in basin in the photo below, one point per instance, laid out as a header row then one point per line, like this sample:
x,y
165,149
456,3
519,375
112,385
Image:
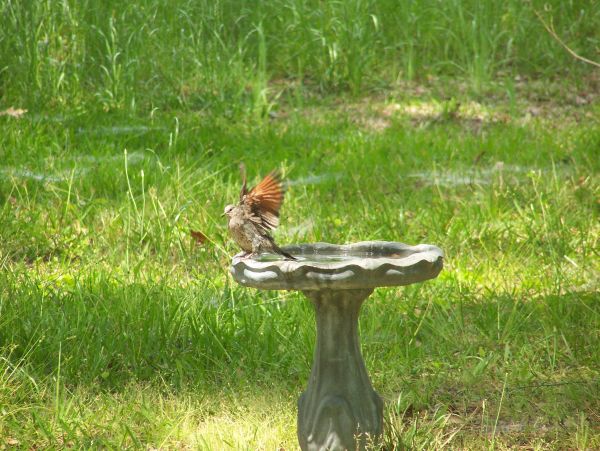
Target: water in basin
x,y
325,258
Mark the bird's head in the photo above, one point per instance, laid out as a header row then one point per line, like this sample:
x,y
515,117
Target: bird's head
x,y
228,210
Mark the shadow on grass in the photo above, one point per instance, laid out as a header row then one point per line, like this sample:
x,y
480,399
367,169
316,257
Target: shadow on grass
x,y
107,334
101,331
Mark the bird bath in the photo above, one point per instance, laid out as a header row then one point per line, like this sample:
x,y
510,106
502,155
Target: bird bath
x,y
339,410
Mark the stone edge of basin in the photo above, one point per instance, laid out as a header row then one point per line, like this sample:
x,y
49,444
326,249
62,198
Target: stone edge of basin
x,y
423,262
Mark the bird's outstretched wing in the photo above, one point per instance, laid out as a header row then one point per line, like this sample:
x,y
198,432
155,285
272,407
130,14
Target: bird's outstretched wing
x,y
264,201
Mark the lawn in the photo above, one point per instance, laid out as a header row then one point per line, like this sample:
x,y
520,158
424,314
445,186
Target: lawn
x,y
118,329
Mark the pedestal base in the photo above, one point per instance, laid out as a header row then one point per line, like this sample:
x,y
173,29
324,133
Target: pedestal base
x,y
339,409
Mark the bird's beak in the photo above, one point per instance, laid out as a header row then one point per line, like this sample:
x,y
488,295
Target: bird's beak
x,y
223,214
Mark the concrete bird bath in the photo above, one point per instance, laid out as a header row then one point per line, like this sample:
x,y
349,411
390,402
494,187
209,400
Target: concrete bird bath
x,y
339,410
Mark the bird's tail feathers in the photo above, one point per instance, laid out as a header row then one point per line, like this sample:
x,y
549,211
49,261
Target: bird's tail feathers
x,y
284,253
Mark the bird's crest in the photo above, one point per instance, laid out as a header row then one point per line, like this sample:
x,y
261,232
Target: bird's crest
x,y
244,189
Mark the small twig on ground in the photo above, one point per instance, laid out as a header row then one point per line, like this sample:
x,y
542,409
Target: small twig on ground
x,y
550,29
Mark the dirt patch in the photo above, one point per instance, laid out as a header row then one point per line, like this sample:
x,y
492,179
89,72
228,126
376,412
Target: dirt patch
x,y
517,100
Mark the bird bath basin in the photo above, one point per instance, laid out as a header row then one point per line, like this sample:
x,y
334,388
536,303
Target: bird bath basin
x,y
339,410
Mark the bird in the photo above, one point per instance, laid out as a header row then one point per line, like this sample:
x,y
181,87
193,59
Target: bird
x,y
257,213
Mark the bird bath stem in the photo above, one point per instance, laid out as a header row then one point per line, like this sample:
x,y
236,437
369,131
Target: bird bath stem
x,y
339,410
339,402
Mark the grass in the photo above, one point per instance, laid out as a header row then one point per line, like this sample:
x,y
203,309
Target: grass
x,y
443,123
216,55
118,330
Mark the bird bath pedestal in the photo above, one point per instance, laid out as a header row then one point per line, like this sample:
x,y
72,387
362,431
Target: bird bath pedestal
x,y
339,409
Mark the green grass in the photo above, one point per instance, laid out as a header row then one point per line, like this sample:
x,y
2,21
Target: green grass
x,y
116,329
217,55
451,123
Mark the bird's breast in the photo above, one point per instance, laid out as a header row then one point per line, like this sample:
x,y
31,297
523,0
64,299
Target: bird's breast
x,y
238,230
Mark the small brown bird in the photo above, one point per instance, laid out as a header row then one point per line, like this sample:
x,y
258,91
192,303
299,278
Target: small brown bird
x,y
257,213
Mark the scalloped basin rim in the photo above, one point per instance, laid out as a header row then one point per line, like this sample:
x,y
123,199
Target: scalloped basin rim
x,y
366,264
